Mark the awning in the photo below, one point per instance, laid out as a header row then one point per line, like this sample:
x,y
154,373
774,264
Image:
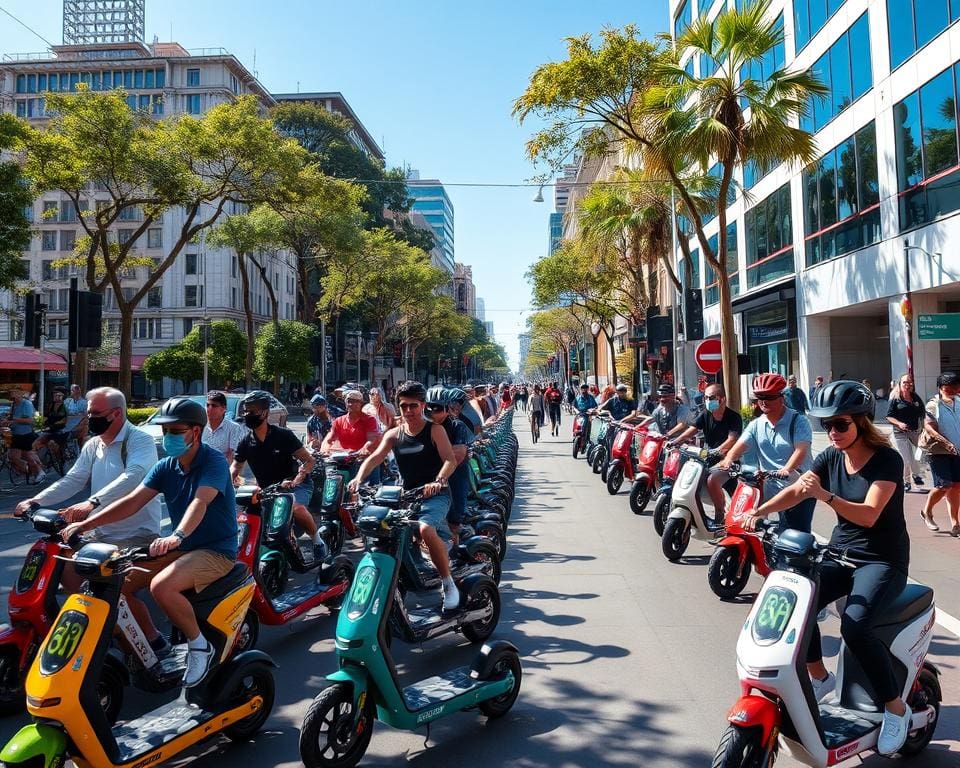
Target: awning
x,y
28,359
113,364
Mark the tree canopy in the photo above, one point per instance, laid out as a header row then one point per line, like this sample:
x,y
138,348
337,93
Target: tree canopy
x,y
15,197
283,349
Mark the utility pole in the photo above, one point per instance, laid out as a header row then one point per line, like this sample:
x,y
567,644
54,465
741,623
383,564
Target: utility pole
x,y
906,306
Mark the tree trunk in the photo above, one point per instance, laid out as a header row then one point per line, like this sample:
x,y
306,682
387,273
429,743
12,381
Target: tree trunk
x,y
613,358
126,349
728,345
248,311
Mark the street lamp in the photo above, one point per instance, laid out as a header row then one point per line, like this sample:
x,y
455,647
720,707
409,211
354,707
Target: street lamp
x,y
595,330
539,196
906,303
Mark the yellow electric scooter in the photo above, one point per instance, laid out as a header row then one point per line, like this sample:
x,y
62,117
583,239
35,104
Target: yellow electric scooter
x,y
61,687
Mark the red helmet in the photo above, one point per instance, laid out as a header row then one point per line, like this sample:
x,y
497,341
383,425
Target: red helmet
x,y
768,384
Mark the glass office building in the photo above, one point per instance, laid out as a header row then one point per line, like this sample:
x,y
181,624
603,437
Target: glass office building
x,y
821,262
430,200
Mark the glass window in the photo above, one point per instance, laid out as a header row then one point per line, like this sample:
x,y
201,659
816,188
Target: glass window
x,y
161,78
931,21
143,103
148,78
158,105
939,119
117,79
155,298
846,179
193,77
155,238
801,22
818,15
907,134
190,264
840,74
95,83
138,78
49,241
31,83
68,239
861,66
85,78
828,189
41,83
868,185
107,79
193,104
132,103
127,78
21,83
684,17
74,80
53,82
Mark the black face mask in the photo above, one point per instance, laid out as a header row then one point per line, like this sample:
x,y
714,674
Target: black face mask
x,y
98,424
253,420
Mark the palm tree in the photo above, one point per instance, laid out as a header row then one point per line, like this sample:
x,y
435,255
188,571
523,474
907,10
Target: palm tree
x,y
730,118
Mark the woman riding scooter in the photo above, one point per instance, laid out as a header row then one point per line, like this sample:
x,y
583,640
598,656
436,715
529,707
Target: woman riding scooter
x,y
861,478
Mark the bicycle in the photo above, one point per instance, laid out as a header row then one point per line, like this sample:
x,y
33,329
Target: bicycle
x,y
60,460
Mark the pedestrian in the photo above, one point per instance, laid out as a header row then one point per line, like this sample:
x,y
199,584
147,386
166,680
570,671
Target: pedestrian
x,y
569,396
21,423
537,405
817,386
221,433
906,413
380,409
942,425
76,413
794,397
554,400
505,397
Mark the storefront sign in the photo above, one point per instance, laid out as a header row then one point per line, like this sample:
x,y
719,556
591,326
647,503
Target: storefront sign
x,y
767,334
942,327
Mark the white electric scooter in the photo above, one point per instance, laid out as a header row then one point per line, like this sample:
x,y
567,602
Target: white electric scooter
x,y
777,705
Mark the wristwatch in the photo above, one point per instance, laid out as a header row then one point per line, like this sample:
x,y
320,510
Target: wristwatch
x,y
830,500
442,481
179,534
95,501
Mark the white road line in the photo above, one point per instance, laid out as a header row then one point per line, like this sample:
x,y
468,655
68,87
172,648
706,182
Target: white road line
x,y
948,622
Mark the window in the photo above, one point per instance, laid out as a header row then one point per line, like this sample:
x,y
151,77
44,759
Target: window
x,y
187,325
16,330
146,328
914,23
928,173
684,17
21,83
143,103
51,210
809,16
193,78
841,199
233,297
192,104
67,211
157,105
155,238
233,267
155,298
127,79
148,79
193,296
713,288
845,69
769,233
24,269
49,241
161,78
716,171
130,213
124,235
190,264
68,239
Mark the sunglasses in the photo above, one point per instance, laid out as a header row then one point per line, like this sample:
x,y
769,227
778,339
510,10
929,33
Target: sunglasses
x,y
409,406
354,402
767,398
836,425
436,407
711,398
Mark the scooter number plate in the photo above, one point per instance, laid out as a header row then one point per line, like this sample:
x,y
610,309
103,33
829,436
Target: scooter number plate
x,y
63,641
364,588
29,572
774,614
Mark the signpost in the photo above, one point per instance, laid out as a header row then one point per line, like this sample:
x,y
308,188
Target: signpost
x,y
709,356
942,327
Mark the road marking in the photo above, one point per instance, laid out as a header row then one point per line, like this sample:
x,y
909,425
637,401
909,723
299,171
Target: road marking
x,y
948,622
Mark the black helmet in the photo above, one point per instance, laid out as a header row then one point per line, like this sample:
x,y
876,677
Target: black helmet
x,y
182,410
458,396
666,389
842,398
257,397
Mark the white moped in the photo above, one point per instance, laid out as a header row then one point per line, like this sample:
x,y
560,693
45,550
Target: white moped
x,y
777,705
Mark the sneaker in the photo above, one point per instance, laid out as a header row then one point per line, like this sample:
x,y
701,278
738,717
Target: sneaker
x,y
907,487
823,688
199,661
917,480
955,531
893,731
320,551
451,598
929,522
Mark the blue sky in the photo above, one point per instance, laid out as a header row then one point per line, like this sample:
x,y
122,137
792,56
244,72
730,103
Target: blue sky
x,y
432,80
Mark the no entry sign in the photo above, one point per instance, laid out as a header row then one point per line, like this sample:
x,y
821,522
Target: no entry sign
x,y
708,356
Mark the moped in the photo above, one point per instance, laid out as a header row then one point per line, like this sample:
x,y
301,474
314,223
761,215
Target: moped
x,y
687,515
623,456
646,479
581,432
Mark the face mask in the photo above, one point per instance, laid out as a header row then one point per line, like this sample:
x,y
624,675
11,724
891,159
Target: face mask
x,y
252,420
713,405
98,424
175,445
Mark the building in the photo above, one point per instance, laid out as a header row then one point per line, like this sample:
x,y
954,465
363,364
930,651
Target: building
x,y
334,101
166,80
488,327
464,291
481,309
556,231
525,340
825,255
431,200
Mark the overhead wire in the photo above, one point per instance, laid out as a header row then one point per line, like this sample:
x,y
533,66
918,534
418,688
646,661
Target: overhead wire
x,y
26,26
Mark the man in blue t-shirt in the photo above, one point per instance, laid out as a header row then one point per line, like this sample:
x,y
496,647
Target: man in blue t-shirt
x,y
584,401
195,482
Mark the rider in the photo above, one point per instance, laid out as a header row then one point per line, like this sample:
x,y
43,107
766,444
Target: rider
x,y
584,401
319,423
55,421
425,458
781,438
195,483
721,426
460,408
440,407
277,456
670,417
76,413
621,406
860,477
355,431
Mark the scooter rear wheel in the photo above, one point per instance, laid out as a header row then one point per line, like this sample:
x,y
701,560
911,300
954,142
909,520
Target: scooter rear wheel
x,y
614,478
480,630
928,695
639,496
110,693
676,537
508,661
257,681
597,461
741,748
722,573
327,736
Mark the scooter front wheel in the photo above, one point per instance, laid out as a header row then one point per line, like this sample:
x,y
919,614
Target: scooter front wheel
x,y
12,697
639,496
614,478
676,537
256,680
599,455
661,510
485,595
928,694
726,574
328,738
741,748
508,661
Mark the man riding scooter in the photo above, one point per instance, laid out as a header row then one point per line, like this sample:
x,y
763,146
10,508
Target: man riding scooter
x,y
195,482
440,410
670,417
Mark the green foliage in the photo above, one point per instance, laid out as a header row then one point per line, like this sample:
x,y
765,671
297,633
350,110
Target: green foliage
x,y
140,415
226,361
176,363
15,195
283,349
747,414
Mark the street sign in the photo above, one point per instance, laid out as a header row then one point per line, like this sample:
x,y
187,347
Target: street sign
x,y
709,356
942,327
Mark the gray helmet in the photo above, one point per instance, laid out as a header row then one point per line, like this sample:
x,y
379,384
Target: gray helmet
x,y
257,397
438,396
842,398
458,396
182,410
666,389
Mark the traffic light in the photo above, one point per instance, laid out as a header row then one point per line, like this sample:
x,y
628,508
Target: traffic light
x,y
33,311
89,319
694,314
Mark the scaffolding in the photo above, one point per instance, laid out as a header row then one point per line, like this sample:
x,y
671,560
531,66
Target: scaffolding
x,y
98,22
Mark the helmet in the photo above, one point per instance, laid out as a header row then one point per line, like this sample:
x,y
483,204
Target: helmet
x,y
622,387
257,397
318,400
666,389
438,395
769,384
458,396
842,398
182,410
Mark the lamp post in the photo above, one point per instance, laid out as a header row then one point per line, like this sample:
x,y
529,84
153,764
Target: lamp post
x,y
906,303
595,331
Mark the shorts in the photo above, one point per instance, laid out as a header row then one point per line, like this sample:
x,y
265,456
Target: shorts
x,y
303,493
433,512
24,442
945,469
204,565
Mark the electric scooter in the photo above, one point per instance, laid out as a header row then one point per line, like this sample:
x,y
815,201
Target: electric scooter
x,y
623,457
581,432
339,724
598,425
268,548
647,476
336,512
777,705
235,698
672,461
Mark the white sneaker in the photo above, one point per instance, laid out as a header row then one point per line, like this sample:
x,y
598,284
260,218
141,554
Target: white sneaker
x,y
823,688
199,661
451,598
893,731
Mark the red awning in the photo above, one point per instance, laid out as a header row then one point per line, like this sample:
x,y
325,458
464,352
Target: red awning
x,y
28,359
113,364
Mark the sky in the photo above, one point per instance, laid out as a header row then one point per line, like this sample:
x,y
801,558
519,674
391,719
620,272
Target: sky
x,y
432,80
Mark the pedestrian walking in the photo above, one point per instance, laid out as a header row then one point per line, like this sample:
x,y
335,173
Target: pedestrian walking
x,y
537,405
906,413
817,386
554,400
21,422
794,397
942,425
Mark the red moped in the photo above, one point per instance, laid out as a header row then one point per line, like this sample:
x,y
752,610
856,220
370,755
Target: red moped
x,y
648,477
623,456
739,549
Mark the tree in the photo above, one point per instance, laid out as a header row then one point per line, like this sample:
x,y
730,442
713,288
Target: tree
x,y
145,169
226,354
15,197
436,320
283,349
554,331
177,363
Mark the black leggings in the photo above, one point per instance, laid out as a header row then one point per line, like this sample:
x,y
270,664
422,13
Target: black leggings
x,y
868,589
554,414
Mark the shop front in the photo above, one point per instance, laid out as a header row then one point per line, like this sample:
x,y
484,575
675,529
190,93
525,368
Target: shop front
x,y
769,322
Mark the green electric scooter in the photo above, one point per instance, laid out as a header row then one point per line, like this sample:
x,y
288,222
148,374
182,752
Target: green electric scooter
x,y
337,728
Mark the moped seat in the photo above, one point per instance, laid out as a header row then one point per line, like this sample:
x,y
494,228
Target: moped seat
x,y
910,603
204,602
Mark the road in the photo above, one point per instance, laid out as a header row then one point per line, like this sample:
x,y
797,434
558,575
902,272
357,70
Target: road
x,y
628,659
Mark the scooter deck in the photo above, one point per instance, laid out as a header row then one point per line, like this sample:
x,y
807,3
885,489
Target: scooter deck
x,y
153,730
297,596
438,689
841,725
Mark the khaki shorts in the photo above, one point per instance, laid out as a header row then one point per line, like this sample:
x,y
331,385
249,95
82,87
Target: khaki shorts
x,y
204,565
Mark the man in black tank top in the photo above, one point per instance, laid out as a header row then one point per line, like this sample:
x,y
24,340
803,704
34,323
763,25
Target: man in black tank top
x,y
425,458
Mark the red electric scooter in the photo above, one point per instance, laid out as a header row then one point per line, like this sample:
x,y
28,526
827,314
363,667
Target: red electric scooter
x,y
623,455
647,477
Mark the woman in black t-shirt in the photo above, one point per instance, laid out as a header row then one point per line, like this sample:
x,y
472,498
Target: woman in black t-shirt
x,y
906,413
861,478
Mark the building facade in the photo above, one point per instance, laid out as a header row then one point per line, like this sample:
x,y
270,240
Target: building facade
x,y
165,80
431,201
334,101
464,291
823,257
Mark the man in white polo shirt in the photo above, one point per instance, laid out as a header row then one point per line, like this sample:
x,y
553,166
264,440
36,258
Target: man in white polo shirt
x,y
221,433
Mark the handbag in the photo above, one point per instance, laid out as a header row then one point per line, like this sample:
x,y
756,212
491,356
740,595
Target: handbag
x,y
927,443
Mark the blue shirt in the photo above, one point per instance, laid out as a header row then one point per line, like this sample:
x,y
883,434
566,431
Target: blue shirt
x,y
218,528
584,402
619,407
773,448
24,410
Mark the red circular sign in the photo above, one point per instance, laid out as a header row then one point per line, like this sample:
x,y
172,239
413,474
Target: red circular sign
x,y
709,356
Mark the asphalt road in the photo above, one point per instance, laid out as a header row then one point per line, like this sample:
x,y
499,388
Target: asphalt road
x,y
628,659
